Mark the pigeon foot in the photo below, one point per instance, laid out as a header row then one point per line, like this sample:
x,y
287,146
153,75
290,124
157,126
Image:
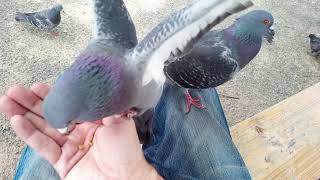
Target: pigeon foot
x,y
192,101
55,34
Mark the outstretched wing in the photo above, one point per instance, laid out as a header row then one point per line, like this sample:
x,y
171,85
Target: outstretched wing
x,y
113,22
209,64
180,32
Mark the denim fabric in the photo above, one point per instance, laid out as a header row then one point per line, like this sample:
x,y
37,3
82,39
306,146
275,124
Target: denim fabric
x,y
197,145
33,167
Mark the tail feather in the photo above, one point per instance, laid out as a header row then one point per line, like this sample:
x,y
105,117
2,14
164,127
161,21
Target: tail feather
x,y
20,17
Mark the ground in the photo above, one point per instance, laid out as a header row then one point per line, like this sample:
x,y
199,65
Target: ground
x,y
279,71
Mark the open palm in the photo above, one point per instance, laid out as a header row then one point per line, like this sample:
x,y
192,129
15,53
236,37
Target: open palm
x,y
108,150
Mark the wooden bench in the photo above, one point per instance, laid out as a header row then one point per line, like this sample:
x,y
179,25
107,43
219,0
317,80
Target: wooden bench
x,y
283,142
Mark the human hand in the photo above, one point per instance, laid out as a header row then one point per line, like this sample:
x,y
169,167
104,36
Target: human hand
x,y
109,150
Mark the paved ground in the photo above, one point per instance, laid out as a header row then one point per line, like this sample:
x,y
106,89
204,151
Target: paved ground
x,y
279,71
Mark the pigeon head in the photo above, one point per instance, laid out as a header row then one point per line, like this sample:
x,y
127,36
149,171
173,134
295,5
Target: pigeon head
x,y
61,105
54,14
312,36
259,22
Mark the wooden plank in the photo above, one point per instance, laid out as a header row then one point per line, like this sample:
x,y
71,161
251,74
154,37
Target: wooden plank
x,y
283,142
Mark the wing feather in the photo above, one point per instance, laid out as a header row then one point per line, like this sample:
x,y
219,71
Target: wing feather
x,y
113,22
179,33
209,64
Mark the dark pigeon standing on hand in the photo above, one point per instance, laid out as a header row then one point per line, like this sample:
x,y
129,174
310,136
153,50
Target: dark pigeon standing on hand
x,y
219,55
314,45
45,20
114,74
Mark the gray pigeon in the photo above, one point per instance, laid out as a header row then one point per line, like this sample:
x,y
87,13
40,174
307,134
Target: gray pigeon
x,y
114,74
314,45
219,55
45,20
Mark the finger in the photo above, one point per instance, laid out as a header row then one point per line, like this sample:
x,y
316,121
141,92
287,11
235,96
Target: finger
x,y
44,127
10,107
72,154
120,136
26,98
41,143
40,89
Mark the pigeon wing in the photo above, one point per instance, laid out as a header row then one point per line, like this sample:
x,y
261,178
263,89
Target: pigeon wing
x,y
179,33
38,20
113,22
209,64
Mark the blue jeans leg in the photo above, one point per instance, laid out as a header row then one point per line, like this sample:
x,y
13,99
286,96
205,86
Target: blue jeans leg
x,y
33,167
196,145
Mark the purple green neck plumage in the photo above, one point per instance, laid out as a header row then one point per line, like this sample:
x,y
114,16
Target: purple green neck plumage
x,y
245,40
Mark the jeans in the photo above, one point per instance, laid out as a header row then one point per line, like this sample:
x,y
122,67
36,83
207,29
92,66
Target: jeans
x,y
196,145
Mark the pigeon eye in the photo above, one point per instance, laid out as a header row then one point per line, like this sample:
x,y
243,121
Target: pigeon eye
x,y
266,22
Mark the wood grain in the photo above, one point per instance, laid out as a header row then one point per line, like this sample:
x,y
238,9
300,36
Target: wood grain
x,y
283,142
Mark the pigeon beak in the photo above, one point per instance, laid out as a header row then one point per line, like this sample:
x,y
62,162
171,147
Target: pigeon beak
x,y
270,34
271,29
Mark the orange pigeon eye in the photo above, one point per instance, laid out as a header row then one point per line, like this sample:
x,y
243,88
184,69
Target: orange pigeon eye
x,y
266,22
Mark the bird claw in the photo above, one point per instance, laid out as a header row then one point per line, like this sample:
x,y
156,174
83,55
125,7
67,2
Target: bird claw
x,y
55,34
193,101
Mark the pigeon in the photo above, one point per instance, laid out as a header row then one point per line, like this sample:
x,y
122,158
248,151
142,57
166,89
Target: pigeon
x,y
314,45
116,75
220,54
45,20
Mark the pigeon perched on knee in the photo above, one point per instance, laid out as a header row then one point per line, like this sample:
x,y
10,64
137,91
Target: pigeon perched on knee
x,y
219,55
115,74
314,45
45,20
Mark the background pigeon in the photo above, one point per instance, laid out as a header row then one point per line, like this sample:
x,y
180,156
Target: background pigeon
x,y
114,74
219,55
314,45
45,20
